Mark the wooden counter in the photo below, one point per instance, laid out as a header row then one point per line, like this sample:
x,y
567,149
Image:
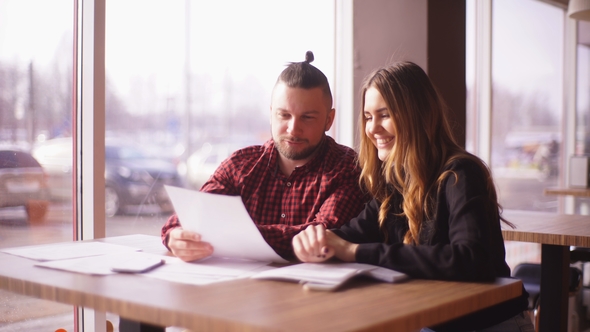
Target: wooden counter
x,y
556,233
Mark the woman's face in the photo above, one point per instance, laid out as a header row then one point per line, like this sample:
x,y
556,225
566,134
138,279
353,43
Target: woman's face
x,y
379,126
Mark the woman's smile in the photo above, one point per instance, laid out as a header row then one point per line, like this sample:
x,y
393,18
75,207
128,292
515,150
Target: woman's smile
x,y
379,125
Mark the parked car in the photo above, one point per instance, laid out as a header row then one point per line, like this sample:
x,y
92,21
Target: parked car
x,y
132,177
55,156
201,164
135,178
23,183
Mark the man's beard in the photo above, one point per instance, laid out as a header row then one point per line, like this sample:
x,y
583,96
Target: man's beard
x,y
291,153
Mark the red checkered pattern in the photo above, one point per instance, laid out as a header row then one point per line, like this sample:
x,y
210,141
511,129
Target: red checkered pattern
x,y
325,190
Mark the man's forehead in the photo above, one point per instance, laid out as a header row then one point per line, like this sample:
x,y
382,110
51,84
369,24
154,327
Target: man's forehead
x,y
284,96
283,87
285,110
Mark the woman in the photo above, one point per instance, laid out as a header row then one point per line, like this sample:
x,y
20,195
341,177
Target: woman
x,y
434,213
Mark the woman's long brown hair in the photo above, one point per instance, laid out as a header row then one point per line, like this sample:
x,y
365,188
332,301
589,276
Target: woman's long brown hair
x,y
424,146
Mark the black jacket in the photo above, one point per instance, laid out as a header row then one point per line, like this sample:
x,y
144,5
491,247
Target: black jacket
x,y
463,242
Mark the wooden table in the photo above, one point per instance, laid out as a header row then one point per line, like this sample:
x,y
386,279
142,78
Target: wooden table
x,y
258,305
577,192
556,233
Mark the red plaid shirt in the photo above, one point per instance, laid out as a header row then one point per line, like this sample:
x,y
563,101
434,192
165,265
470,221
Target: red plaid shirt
x,y
325,190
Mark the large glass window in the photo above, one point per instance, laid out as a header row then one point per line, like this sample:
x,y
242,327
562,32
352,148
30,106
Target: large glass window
x,y
189,82
36,50
583,100
527,99
582,140
524,73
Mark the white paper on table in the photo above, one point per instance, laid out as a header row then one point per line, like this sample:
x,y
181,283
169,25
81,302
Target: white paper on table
x,y
222,221
67,250
311,272
329,276
147,243
207,271
97,265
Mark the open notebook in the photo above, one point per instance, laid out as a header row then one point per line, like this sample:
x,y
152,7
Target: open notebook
x,y
329,276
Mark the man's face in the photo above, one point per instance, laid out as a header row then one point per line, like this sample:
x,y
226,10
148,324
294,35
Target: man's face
x,y
299,118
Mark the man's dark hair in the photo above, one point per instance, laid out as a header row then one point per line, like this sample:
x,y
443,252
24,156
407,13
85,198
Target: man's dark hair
x,y
304,75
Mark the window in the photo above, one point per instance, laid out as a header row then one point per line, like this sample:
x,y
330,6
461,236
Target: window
x,y
582,137
190,81
527,99
184,77
195,87
515,95
36,52
583,102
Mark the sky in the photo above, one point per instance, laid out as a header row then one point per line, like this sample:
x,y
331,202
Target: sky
x,y
224,41
147,39
533,28
33,29
527,53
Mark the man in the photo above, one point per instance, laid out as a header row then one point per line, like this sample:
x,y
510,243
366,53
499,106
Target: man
x,y
298,178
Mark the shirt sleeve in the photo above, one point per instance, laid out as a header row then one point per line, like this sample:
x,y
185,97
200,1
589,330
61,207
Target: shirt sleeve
x,y
170,224
345,202
364,228
222,181
466,244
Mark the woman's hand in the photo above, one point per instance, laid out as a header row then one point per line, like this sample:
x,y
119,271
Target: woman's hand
x,y
316,244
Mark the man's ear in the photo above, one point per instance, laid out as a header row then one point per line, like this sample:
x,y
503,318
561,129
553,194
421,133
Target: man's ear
x,y
330,119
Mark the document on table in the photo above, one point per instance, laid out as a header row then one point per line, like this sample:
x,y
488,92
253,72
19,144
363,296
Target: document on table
x,y
99,258
101,264
223,222
329,276
147,243
203,272
206,271
67,250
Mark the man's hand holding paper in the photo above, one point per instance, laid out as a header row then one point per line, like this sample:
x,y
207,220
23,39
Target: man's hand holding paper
x,y
187,245
223,225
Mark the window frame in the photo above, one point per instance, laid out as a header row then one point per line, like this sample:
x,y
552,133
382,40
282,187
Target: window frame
x,y
88,117
482,93
89,112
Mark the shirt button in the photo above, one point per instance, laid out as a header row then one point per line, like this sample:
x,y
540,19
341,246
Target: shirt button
x,y
283,215
288,184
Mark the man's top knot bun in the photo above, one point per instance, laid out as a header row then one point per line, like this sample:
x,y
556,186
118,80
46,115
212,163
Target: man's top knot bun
x,y
306,76
309,56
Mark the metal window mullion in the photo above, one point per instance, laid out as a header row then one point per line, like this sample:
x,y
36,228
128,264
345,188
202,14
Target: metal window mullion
x,y
91,121
89,136
344,77
483,79
569,129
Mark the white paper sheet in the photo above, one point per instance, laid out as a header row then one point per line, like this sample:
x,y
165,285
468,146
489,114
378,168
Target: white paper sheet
x,y
223,222
147,243
98,265
67,250
207,271
329,276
